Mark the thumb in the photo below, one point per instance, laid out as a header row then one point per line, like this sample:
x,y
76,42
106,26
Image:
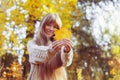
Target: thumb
x,y
62,49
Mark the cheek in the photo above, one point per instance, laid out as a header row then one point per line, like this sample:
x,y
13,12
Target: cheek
x,y
45,29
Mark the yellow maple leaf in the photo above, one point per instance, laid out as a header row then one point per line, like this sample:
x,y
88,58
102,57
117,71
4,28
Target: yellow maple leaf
x,y
17,16
63,33
113,71
13,38
116,50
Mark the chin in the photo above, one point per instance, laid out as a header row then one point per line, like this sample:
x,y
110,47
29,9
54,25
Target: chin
x,y
49,36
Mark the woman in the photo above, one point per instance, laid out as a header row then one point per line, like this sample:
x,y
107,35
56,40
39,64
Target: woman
x,y
49,57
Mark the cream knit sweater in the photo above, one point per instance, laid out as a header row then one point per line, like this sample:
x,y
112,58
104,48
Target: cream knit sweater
x,y
46,65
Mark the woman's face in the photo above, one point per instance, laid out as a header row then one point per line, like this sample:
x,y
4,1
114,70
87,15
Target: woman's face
x,y
50,29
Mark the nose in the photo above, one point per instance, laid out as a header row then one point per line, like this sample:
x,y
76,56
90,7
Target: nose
x,y
52,28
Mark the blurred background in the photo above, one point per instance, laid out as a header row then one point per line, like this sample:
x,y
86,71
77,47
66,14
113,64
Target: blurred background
x,y
95,26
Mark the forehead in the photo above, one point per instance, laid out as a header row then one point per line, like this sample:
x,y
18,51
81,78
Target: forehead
x,y
52,23
55,24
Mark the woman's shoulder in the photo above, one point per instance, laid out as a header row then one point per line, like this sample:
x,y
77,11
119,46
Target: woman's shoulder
x,y
30,42
31,45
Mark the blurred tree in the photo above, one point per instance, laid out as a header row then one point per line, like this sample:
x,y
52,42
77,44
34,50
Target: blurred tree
x,y
89,56
93,59
24,15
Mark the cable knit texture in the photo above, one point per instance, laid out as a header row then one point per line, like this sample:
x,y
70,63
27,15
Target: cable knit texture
x,y
46,65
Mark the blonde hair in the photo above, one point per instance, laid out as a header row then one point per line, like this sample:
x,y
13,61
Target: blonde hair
x,y
41,38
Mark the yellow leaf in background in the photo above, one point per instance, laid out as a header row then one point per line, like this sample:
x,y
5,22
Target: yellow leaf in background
x,y
2,17
118,39
110,63
14,53
5,4
17,16
113,71
23,59
34,9
116,49
63,33
30,27
13,37
2,39
79,74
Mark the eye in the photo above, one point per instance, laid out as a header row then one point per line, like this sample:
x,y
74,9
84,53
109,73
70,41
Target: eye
x,y
48,24
56,27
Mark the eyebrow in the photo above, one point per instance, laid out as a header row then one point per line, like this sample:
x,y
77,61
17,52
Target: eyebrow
x,y
56,26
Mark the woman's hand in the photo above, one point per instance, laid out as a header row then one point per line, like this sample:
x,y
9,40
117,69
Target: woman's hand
x,y
68,45
56,45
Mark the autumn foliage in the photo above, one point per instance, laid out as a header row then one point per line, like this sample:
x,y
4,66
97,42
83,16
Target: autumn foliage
x,y
91,61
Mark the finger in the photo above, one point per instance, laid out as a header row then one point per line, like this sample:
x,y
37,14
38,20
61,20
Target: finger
x,y
58,46
56,43
68,41
67,49
68,44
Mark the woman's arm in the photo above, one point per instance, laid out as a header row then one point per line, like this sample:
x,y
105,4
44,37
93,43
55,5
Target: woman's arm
x,y
62,57
55,61
37,54
66,57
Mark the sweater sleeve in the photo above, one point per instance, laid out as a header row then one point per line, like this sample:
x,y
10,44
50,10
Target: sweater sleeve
x,y
66,58
37,54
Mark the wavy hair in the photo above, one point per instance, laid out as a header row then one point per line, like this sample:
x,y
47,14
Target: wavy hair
x,y
40,37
